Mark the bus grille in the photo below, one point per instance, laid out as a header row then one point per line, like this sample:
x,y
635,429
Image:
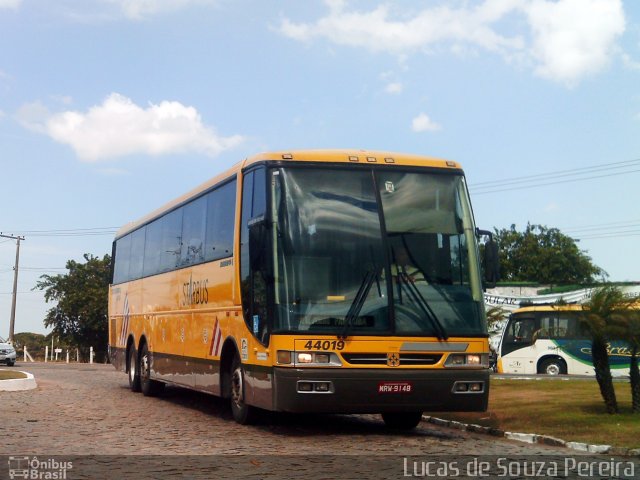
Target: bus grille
x,y
381,358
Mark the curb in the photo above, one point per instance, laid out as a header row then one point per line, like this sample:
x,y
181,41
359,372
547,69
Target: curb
x,y
19,384
534,438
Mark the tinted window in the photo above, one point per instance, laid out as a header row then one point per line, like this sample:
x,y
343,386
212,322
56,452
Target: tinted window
x,y
123,254
153,248
193,230
137,254
221,210
171,240
247,195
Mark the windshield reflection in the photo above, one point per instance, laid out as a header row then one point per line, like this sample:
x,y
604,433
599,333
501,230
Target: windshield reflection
x,y
328,242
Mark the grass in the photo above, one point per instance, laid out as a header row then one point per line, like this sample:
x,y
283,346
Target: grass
x,y
572,410
11,375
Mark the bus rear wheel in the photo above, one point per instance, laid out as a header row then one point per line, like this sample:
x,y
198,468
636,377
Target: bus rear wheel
x,y
553,366
134,374
242,413
402,420
149,387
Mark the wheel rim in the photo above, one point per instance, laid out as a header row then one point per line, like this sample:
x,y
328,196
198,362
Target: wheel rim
x,y
237,387
132,368
144,367
553,369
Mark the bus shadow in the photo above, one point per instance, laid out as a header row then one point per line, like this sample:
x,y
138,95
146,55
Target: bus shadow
x,y
300,425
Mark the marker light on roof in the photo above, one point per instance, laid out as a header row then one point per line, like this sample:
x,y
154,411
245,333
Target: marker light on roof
x,y
287,156
389,160
371,159
353,158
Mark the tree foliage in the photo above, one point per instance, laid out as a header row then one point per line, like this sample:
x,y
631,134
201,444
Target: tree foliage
x,y
610,317
80,314
544,255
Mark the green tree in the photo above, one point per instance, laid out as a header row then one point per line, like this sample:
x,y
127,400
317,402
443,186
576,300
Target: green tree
x,y
544,255
80,314
633,337
608,315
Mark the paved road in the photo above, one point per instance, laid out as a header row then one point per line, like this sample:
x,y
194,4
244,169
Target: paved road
x,y
81,409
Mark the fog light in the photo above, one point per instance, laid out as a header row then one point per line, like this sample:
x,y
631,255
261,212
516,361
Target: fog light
x,y
322,387
475,387
284,356
305,386
305,358
462,387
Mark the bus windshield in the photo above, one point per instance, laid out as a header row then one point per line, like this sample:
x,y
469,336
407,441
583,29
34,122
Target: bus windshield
x,y
374,251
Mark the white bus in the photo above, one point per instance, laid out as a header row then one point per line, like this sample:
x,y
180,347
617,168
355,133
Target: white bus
x,y
554,340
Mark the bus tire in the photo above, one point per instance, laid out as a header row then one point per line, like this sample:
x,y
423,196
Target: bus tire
x,y
553,366
402,420
149,387
134,374
242,413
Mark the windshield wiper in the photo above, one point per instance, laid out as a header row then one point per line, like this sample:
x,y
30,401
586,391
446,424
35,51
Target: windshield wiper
x,y
358,302
417,297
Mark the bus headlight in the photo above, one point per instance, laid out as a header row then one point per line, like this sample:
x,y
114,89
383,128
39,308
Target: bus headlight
x,y
473,359
305,358
467,360
308,359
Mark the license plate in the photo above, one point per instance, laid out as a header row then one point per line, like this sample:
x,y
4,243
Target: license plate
x,y
395,387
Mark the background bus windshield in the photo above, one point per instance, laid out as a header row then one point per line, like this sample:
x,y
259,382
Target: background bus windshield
x,y
386,251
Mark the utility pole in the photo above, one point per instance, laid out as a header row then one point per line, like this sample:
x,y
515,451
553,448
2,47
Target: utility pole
x,y
12,321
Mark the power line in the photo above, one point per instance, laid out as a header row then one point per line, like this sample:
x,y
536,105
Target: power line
x,y
542,179
71,232
604,226
557,173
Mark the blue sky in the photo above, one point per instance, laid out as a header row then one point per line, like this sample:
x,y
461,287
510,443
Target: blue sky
x,y
110,108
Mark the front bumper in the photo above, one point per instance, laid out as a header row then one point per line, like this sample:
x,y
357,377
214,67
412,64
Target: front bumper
x,y
358,390
8,358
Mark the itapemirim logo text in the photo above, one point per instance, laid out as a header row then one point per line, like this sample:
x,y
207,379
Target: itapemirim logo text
x,y
33,468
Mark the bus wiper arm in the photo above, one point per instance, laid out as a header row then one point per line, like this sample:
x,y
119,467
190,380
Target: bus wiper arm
x,y
358,302
417,297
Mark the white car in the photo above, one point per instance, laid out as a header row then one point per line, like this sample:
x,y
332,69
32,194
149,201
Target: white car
x,y
7,353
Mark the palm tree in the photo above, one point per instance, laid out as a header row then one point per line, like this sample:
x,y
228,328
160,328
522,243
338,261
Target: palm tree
x,y
607,315
634,374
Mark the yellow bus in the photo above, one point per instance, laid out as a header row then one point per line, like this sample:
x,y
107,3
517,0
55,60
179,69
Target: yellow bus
x,y
309,281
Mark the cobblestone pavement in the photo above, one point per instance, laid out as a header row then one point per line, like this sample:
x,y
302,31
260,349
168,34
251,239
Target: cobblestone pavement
x,y
89,410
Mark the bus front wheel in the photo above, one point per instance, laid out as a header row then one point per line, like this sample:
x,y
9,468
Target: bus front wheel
x,y
402,420
552,366
242,413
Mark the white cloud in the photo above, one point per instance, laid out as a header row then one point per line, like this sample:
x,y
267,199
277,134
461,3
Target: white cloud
x,y
630,62
394,88
377,31
139,9
574,38
422,123
563,40
12,4
118,127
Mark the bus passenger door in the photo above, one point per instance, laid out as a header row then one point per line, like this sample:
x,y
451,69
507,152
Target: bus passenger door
x,y
518,346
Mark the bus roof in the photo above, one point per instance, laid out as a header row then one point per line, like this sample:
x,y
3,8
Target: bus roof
x,y
294,156
562,308
549,308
